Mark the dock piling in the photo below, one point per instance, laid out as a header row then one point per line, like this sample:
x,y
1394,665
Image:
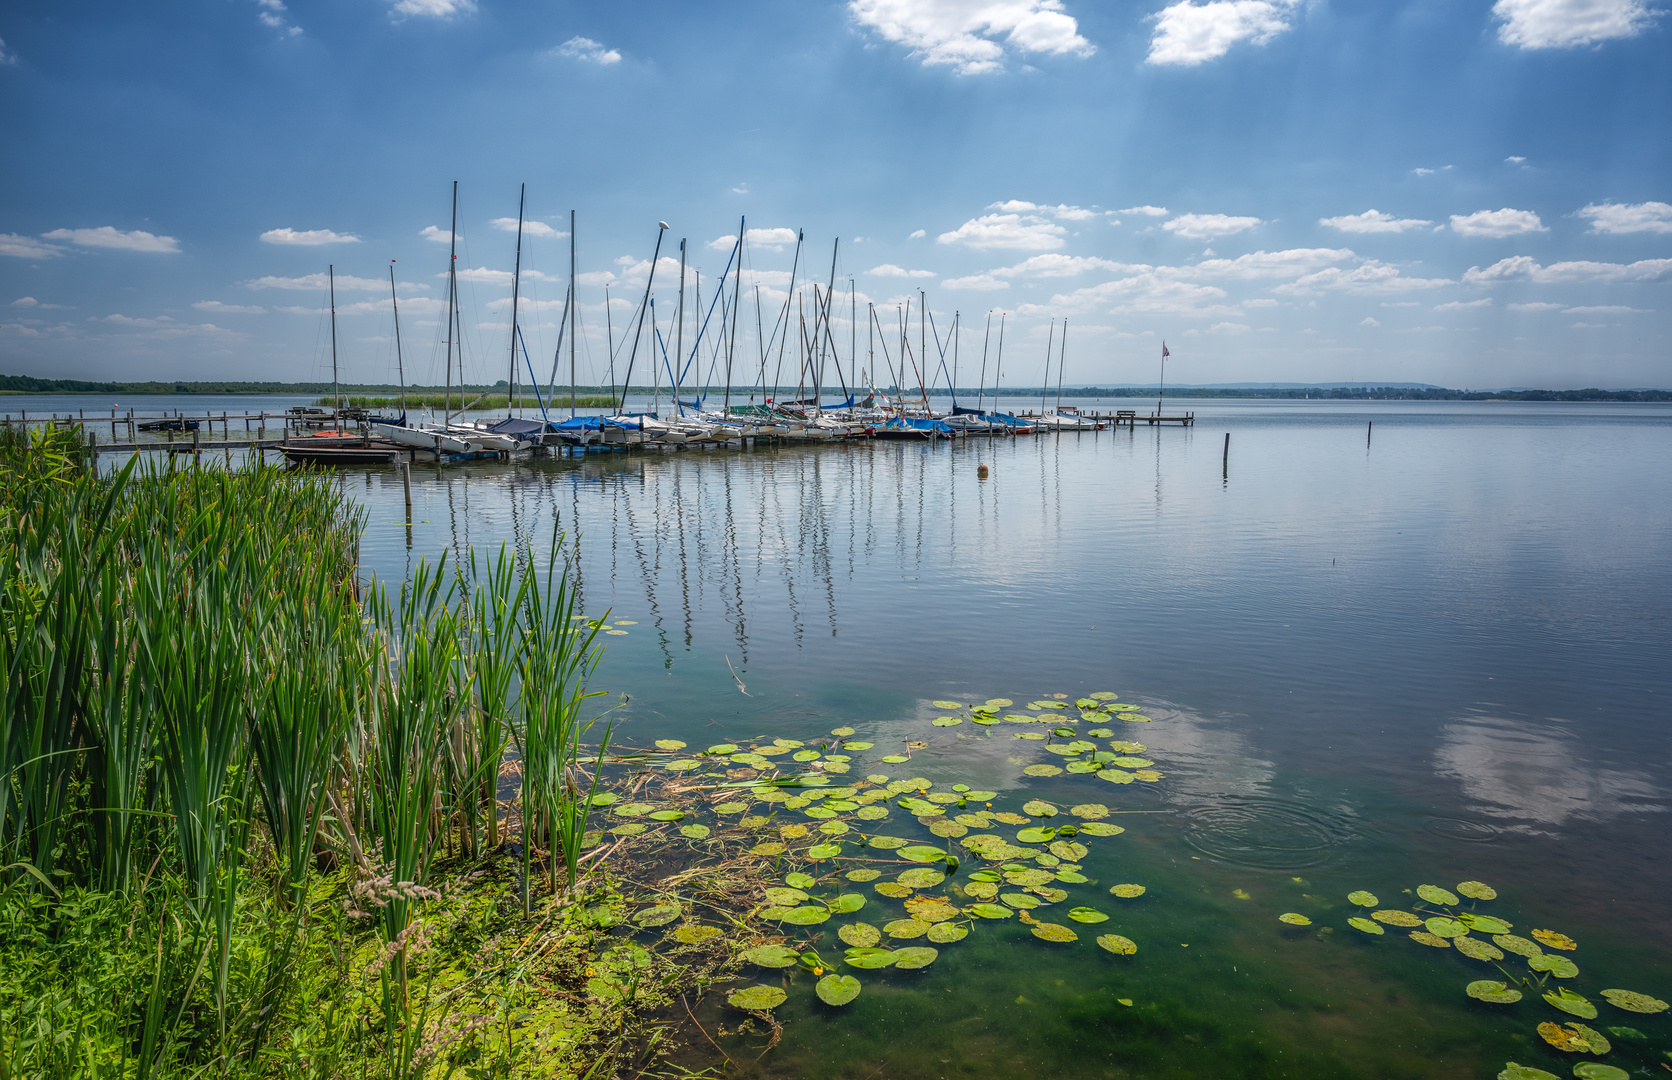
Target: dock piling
x,y
1225,460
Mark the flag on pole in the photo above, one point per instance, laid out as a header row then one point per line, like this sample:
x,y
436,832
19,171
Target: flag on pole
x,y
1164,351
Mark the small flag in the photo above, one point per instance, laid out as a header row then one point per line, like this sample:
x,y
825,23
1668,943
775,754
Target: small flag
x,y
1164,351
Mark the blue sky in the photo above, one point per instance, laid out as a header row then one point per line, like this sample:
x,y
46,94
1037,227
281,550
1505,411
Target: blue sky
x,y
1463,192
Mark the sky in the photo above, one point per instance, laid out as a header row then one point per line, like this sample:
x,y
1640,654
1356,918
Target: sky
x,y
1472,193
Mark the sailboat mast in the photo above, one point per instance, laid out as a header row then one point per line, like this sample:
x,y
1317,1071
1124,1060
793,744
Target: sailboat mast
x,y
1046,389
679,331
1062,361
452,306
571,305
998,364
923,343
981,387
956,328
516,284
400,365
336,389
644,309
736,314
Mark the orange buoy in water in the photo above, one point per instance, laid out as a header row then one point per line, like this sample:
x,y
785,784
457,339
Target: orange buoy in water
x,y
981,472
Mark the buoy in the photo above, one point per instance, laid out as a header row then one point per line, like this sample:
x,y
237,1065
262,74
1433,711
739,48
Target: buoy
x,y
981,472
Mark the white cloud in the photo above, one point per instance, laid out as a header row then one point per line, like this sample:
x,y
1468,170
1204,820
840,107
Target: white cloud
x,y
106,236
1514,159
890,270
976,282
1526,268
1540,306
1188,33
1062,211
1368,321
1551,24
439,235
484,275
1372,221
529,228
1229,328
25,302
272,15
1620,218
344,283
1497,224
1209,226
229,309
1007,231
1142,294
1604,309
1146,211
961,33
1055,265
26,247
916,234
1401,303
1263,264
7,57
1372,277
1592,325
1464,305
307,237
433,9
765,239
1260,302
593,52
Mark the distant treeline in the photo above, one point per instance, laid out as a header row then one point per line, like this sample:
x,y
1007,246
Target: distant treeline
x,y
598,396
456,400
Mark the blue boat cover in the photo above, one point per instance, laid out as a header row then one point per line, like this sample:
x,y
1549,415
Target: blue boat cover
x,y
909,423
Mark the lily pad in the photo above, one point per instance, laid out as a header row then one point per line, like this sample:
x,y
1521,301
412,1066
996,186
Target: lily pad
x,y
922,853
1073,877
1069,850
892,889
770,847
1571,1003
785,896
1476,949
1396,918
1103,695
773,956
1484,924
660,915
1039,808
1041,770
930,909
1556,941
863,874
859,935
1363,899
844,732
1294,918
945,933
1436,895
669,744
847,904
1520,946
1366,925
1091,916
730,807
915,956
1493,992
757,998
837,989
868,958
824,851
947,704
906,928
1632,1001
1022,901
1512,1071
1596,1070
1627,1032
1120,946
1047,931
1447,928
1101,828
1477,890
1036,835
683,764
834,828
871,813
895,759
1559,966
694,832
629,830
607,798
947,721
807,915
990,911
695,933
1127,892
1573,1039
1089,811
1423,937
1116,776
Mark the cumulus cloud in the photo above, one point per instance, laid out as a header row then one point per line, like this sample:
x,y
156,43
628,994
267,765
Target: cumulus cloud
x,y
1372,277
1188,33
1540,306
1019,232
433,9
1209,226
1372,221
484,275
1062,212
970,36
890,270
7,57
1369,321
1604,309
229,309
272,15
1619,218
1464,305
592,52
765,239
1554,24
1055,265
107,236
437,234
1142,294
307,237
1146,211
344,283
1526,268
916,234
976,283
25,302
1496,224
26,247
529,228
1263,264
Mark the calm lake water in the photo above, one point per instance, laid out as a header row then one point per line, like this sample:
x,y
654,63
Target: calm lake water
x,y
1440,652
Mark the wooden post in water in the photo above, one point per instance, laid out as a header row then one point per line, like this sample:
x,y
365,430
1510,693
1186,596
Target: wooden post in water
x,y
1225,461
1367,428
406,481
93,448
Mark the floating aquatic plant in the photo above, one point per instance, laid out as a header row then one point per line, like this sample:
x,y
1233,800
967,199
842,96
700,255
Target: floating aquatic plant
x,y
1494,992
757,998
1631,1001
1294,918
837,989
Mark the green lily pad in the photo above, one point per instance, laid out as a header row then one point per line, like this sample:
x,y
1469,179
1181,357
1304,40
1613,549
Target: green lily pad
x,y
922,853
1089,811
1127,892
1116,776
1627,1032
769,847
729,808
1041,770
1073,877
1294,918
833,828
694,832
773,956
837,989
1366,925
1512,1071
945,933
1087,915
1036,835
722,749
947,704
1363,899
1553,940
660,915
921,878
1476,949
892,889
895,759
683,765
1433,941
915,956
1135,718
629,830
1132,762
695,933
1050,931
1520,946
906,928
947,721
1477,890
1493,992
1571,1003
1596,1070
844,732
1069,850
871,813
1020,900
1039,808
863,874
1574,1038
847,904
1120,946
800,881
1446,928
990,911
1103,695
1101,828
807,915
856,746
1484,924
607,798
868,958
1632,1001
1559,966
859,935
824,851
669,744
784,896
805,755
1396,918
757,998
1436,895
985,719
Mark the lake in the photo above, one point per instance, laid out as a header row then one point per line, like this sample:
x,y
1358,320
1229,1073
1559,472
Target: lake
x,y
1393,644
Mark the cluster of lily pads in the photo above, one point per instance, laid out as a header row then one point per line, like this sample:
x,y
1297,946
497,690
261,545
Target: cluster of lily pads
x,y
1439,922
835,846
